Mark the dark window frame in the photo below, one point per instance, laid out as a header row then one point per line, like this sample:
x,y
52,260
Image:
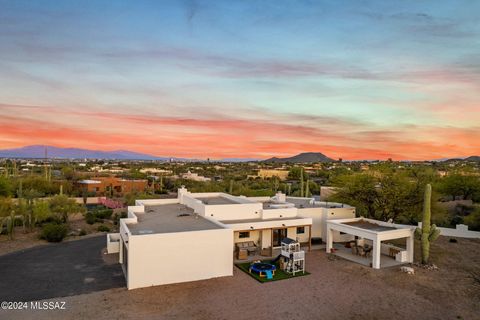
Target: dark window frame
x,y
244,234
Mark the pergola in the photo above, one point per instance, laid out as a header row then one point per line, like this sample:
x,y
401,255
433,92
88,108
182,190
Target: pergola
x,y
374,230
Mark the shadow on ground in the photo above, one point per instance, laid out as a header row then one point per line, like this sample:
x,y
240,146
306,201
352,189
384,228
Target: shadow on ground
x,y
58,270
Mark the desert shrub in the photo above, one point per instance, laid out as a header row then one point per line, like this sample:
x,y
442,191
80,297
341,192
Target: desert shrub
x,y
90,218
103,213
117,217
103,228
52,220
53,232
82,232
473,220
98,215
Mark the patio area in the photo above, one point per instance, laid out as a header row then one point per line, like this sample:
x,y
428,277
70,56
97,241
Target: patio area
x,y
374,236
346,253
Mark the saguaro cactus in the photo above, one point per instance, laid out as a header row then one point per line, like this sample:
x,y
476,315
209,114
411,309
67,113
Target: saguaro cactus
x,y
301,182
428,233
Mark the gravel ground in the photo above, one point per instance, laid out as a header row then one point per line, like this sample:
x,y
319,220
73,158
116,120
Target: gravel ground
x,y
336,289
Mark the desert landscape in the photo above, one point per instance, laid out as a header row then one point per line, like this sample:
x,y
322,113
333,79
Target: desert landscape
x,y
335,289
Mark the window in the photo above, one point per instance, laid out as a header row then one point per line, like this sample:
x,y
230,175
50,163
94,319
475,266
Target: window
x,y
300,230
243,235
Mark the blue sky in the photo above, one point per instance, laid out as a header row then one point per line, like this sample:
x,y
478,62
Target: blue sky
x,y
357,79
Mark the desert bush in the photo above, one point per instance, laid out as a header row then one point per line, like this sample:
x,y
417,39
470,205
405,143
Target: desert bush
x,y
103,228
53,232
82,232
90,218
117,217
103,213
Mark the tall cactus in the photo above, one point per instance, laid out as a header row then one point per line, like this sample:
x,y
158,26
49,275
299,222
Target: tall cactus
x,y
427,233
301,182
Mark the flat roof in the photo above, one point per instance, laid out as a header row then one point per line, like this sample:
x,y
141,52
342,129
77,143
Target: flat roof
x,y
305,203
367,225
259,220
216,200
89,181
169,218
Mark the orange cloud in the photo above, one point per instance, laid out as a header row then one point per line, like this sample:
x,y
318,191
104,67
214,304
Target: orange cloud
x,y
231,137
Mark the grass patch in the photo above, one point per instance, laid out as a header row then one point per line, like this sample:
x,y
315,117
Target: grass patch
x,y
279,274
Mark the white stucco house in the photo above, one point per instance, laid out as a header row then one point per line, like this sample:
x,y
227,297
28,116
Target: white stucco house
x,y
195,236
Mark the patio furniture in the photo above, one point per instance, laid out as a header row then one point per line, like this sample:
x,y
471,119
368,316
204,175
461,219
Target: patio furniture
x,y
367,251
250,246
392,252
242,254
354,248
266,252
360,251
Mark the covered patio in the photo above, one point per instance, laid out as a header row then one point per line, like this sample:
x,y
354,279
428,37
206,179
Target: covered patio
x,y
371,236
259,239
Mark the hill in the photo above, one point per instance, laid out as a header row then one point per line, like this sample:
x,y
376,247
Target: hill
x,y
304,157
38,151
473,158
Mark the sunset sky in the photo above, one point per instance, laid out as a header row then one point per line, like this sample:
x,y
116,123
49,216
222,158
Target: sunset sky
x,y
245,79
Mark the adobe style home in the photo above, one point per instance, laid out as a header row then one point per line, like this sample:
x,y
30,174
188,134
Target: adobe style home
x,y
199,235
102,186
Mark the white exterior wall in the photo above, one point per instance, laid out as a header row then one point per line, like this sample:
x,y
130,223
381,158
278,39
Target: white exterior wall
x,y
234,212
266,238
279,213
165,258
320,216
335,214
317,215
460,231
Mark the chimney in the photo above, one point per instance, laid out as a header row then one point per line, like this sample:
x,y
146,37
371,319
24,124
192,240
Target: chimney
x,y
181,191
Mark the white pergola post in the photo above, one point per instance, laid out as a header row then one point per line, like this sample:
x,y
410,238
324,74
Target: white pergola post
x,y
376,253
329,240
410,246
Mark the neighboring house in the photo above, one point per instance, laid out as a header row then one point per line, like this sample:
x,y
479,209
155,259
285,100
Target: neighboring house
x,y
156,171
270,173
195,236
194,176
101,186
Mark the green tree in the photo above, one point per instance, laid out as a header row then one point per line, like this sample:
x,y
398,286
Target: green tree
x,y
41,211
7,216
5,187
464,186
358,191
62,206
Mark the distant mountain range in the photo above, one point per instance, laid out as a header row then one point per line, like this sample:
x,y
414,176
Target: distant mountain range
x,y
303,158
38,151
472,158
